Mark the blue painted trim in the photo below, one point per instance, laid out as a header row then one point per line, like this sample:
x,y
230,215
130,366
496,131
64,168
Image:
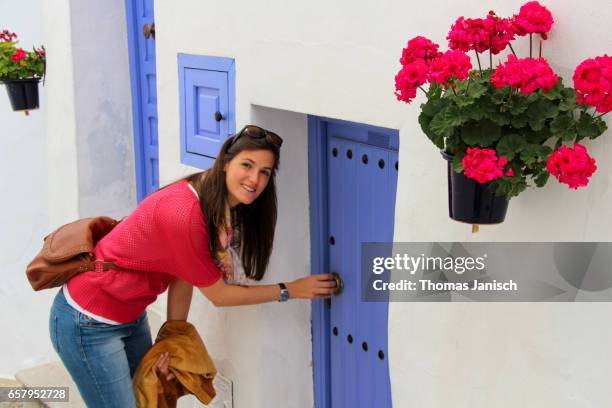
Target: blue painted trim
x,y
319,257
317,186
139,155
209,63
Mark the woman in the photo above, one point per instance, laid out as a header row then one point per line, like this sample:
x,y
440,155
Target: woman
x,y
179,237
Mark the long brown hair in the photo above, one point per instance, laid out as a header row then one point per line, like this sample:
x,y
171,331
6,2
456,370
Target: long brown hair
x,y
256,222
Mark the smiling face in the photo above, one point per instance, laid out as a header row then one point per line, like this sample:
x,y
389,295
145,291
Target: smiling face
x,y
247,175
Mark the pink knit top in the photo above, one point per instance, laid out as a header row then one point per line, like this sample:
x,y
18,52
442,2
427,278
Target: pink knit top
x,y
165,238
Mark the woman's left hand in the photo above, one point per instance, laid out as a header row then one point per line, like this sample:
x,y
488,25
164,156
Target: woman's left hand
x,y
162,366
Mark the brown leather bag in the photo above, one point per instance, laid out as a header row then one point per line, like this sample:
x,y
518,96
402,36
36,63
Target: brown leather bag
x,y
69,250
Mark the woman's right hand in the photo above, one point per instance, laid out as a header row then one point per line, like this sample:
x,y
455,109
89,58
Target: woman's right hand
x,y
312,287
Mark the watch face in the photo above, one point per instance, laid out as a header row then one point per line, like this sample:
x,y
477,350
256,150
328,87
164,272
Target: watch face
x,y
284,295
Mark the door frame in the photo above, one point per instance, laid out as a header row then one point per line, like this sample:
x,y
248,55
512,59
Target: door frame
x,y
319,254
133,32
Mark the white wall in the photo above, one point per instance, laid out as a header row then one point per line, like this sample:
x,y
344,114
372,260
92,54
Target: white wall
x,y
24,207
73,157
24,213
103,110
338,59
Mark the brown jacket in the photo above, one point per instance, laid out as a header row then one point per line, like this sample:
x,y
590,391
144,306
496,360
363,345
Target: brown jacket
x,y
189,362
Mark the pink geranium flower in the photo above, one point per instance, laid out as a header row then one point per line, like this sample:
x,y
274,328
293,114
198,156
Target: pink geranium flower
x,y
483,165
532,18
451,64
500,31
469,34
419,48
572,166
593,83
19,55
526,74
409,78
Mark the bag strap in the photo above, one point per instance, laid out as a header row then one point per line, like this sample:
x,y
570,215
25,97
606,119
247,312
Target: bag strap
x,y
102,266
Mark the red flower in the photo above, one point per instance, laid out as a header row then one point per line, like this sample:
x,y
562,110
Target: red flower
x,y
451,64
419,48
532,18
526,74
593,83
572,166
500,31
7,36
40,51
409,78
469,34
19,55
509,173
483,165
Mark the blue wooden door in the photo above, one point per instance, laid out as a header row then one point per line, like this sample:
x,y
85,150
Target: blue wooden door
x,y
360,182
141,44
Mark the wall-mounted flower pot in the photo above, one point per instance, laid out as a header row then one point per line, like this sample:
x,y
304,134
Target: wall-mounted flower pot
x,y
470,201
23,93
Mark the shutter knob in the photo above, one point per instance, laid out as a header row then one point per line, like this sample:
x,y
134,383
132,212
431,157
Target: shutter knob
x,y
149,30
218,116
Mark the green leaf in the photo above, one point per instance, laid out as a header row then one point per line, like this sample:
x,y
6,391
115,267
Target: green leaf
x,y
483,133
456,163
542,178
542,109
568,103
564,127
533,153
500,118
435,91
424,121
433,106
476,90
518,105
445,121
463,100
555,92
537,124
590,127
518,122
509,145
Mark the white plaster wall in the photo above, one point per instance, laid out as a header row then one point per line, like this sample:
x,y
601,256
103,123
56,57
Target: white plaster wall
x,y
24,208
338,59
62,170
73,157
103,110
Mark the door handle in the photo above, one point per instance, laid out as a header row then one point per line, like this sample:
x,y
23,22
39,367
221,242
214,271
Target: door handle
x,y
339,283
218,116
149,30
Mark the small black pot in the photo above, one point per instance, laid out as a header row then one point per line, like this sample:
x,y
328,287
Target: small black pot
x,y
470,201
23,93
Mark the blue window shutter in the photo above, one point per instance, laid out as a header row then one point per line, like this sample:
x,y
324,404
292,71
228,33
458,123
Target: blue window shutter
x,y
206,87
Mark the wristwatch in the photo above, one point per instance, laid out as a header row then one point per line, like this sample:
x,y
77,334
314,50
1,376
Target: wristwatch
x,y
284,293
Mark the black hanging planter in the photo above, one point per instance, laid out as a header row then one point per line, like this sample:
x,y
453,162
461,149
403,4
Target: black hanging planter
x,y
470,201
23,93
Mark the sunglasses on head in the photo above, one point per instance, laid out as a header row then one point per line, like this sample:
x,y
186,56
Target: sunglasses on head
x,y
256,132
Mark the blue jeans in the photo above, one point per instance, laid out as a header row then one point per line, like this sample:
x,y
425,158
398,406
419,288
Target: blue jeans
x,y
100,357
